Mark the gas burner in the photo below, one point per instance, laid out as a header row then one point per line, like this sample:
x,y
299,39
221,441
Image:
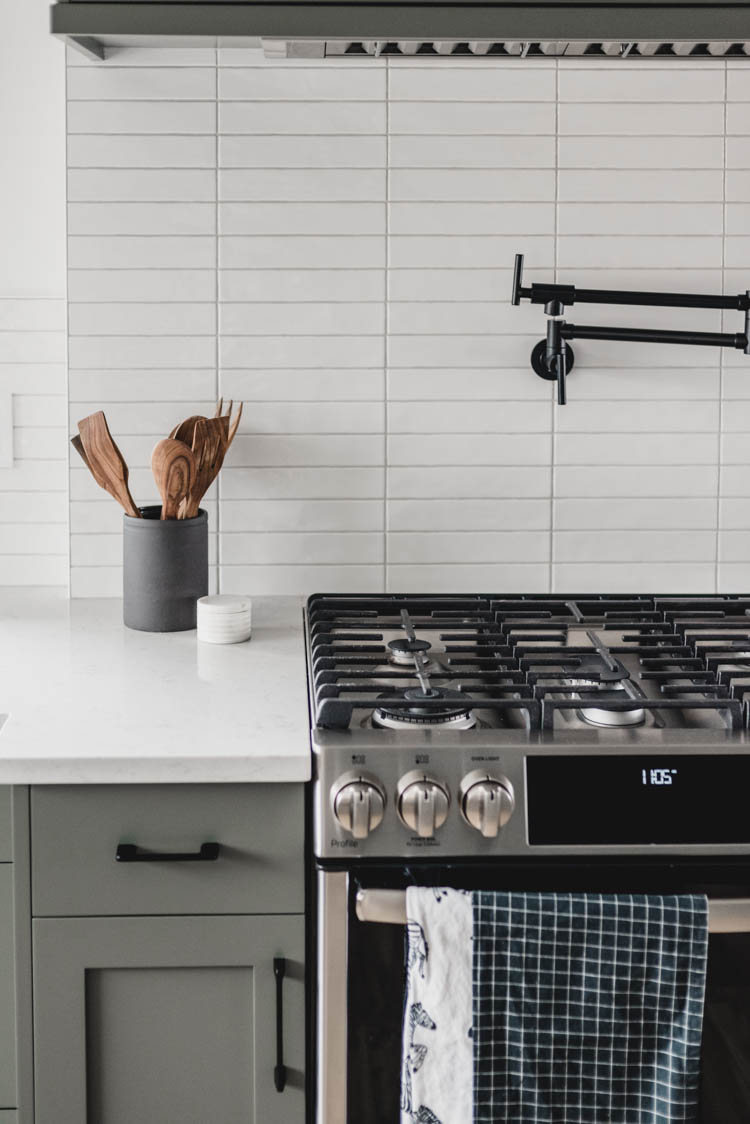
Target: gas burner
x,y
403,650
611,719
455,713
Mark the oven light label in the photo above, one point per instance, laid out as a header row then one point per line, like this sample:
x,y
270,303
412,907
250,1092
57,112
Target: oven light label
x,y
658,776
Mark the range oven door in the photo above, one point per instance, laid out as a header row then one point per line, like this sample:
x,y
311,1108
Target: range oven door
x,y
361,975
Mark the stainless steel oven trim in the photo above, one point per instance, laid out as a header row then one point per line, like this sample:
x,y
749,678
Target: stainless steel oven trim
x,y
333,939
725,915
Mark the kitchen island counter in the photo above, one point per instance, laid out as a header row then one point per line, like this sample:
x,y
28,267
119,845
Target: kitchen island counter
x,y
84,700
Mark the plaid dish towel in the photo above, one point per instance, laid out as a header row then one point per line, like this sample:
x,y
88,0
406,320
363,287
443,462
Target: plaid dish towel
x,y
587,1008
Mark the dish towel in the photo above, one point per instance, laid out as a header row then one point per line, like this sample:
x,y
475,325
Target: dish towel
x,y
536,1008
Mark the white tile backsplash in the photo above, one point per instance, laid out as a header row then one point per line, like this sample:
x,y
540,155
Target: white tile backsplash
x,y
332,243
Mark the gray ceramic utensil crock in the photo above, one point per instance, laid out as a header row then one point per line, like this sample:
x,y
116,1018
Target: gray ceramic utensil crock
x,y
165,570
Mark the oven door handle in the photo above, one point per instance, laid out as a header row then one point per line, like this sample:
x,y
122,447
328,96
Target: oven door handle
x,y
725,915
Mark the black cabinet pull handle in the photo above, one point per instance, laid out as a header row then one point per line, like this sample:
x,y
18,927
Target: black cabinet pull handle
x,y
279,1071
132,853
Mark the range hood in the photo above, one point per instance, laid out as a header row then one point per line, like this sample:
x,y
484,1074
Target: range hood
x,y
615,29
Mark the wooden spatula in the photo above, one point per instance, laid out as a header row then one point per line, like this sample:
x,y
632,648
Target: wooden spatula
x,y
173,466
105,460
185,430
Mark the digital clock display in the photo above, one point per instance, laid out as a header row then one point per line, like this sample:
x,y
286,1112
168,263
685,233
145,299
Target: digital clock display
x,y
695,798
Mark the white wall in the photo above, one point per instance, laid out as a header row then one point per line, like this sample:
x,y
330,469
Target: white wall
x,y
333,243
33,424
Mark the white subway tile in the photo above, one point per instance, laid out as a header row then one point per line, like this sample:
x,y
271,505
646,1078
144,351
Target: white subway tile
x,y
455,152
301,351
735,481
335,318
33,538
143,385
451,285
473,118
314,417
113,352
612,84
146,57
451,351
641,218
123,151
32,315
469,417
33,569
658,481
302,151
302,252
461,184
469,449
641,119
638,153
303,385
735,448
149,83
266,450
302,548
737,219
734,512
141,253
447,548
695,252
448,84
635,514
287,285
39,410
452,482
640,187
738,122
461,317
463,384
415,252
141,117
131,184
35,378
96,581
45,507
471,218
634,546
163,219
350,483
635,448
325,118
644,385
631,417
142,319
32,347
96,550
309,84
351,219
164,285
302,515
299,580
632,577
302,185
468,515
734,577
526,578
738,152
734,546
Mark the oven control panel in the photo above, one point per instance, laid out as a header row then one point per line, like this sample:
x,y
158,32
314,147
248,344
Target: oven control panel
x,y
454,800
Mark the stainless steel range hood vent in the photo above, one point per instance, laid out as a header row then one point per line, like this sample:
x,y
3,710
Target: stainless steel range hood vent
x,y
502,29
336,48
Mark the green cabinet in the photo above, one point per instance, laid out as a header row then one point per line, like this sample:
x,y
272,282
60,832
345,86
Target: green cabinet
x,y
167,1019
154,992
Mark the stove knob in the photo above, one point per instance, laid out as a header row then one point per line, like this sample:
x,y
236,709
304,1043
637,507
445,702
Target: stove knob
x,y
422,803
487,802
358,804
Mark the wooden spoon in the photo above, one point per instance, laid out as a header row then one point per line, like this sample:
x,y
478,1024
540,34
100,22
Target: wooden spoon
x,y
234,427
174,469
105,460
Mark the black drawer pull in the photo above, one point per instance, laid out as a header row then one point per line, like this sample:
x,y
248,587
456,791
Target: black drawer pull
x,y
279,1071
132,853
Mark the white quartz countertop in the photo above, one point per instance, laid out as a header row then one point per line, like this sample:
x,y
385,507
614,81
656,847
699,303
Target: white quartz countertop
x,y
84,700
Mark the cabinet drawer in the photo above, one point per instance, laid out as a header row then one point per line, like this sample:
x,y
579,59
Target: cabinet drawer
x,y
75,832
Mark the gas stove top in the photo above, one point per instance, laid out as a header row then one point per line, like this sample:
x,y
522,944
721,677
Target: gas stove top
x,y
428,706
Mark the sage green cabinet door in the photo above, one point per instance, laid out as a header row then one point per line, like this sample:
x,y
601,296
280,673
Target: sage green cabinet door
x,y
167,1020
8,1092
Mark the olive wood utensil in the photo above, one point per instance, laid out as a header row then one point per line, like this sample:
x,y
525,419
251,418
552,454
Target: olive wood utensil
x,y
184,431
234,427
174,469
105,460
207,441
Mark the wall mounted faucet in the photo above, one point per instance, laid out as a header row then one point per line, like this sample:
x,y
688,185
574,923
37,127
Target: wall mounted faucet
x,y
552,358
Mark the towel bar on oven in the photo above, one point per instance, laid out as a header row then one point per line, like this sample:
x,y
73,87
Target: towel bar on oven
x,y
725,915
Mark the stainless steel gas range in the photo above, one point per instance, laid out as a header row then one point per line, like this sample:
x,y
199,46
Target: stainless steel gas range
x,y
590,742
